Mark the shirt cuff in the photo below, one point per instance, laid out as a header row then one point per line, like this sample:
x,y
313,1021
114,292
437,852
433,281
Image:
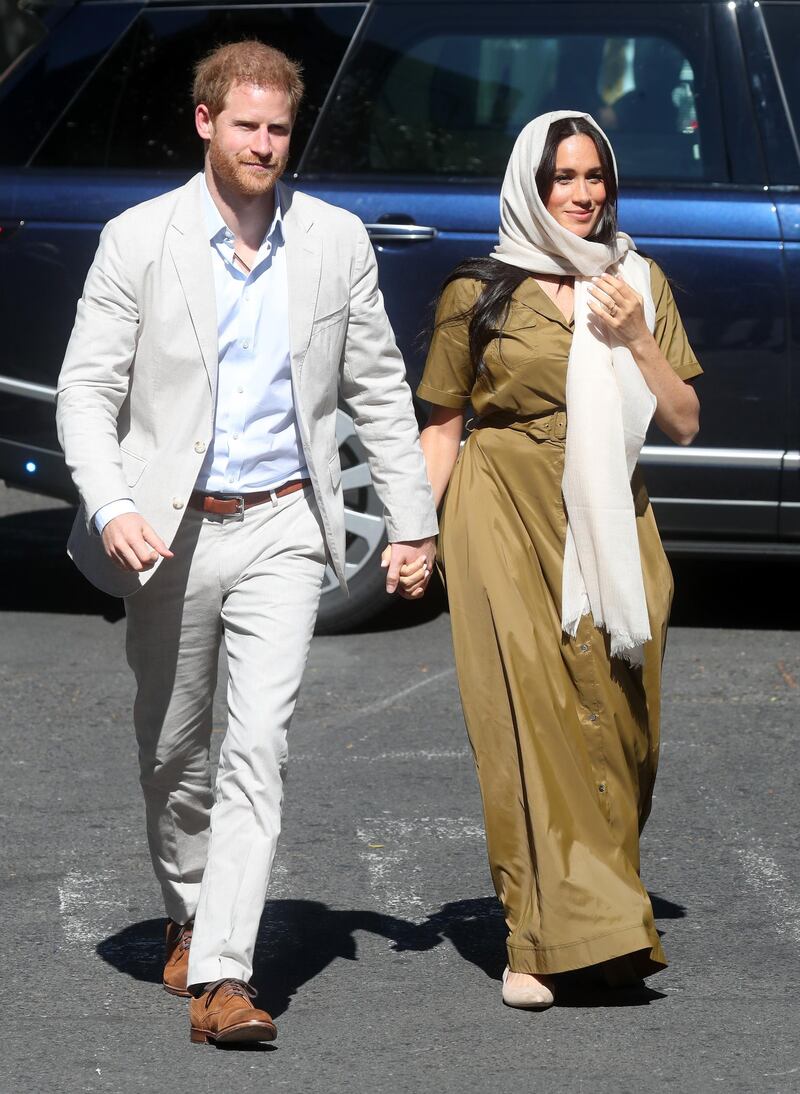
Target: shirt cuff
x,y
113,509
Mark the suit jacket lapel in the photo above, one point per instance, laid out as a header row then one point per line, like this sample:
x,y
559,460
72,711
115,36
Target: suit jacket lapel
x,y
303,268
191,252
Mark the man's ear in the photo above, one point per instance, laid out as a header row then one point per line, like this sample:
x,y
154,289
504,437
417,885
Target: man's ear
x,y
204,123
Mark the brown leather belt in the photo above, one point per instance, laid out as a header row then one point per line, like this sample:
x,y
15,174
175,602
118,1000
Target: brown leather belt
x,y
232,505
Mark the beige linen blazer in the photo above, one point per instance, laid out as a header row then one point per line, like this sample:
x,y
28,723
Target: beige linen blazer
x,y
137,389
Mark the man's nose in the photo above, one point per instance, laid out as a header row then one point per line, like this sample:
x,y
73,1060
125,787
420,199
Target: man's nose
x,y
261,143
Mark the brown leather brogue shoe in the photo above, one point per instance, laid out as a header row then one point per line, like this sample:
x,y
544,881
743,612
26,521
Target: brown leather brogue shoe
x,y
225,1013
176,966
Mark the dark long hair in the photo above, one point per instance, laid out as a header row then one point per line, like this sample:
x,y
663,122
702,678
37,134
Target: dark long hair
x,y
499,279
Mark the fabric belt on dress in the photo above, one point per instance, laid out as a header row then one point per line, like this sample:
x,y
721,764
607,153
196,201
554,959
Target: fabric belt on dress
x,y
553,424
233,505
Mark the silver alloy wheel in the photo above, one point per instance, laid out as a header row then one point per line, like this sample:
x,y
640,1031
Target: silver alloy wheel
x,y
363,512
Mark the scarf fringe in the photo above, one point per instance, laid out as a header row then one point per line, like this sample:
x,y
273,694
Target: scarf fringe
x,y
627,646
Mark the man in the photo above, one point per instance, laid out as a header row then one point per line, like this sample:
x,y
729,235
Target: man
x,y
219,325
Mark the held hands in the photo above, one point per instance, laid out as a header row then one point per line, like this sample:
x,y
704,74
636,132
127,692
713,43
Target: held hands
x,y
618,308
410,566
132,544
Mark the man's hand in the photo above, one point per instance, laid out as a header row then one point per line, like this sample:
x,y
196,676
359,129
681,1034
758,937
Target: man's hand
x,y
409,566
132,544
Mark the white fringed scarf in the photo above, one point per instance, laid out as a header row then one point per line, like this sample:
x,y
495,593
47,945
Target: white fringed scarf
x,y
609,405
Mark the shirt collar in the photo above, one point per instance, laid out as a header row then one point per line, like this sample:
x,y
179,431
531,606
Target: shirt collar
x,y
218,230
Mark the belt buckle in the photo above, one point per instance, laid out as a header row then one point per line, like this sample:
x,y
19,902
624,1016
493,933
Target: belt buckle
x,y
238,498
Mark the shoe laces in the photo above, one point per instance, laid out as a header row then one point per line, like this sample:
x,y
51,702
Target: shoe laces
x,y
230,988
185,936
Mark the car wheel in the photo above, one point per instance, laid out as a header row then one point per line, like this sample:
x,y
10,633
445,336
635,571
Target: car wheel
x,y
365,539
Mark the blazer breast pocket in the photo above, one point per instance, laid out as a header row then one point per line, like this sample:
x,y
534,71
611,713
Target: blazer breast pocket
x,y
132,466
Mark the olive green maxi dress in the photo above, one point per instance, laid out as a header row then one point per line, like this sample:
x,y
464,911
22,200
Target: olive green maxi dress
x,y
565,739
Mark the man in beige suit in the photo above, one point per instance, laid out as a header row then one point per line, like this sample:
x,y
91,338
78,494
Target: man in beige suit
x,y
218,328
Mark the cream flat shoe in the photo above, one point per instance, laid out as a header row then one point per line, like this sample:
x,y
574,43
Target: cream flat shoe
x,y
533,995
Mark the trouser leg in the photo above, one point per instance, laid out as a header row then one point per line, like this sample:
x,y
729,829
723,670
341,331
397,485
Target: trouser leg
x,y
277,564
173,637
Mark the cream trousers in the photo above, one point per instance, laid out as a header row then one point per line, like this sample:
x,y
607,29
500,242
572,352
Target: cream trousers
x,y
253,583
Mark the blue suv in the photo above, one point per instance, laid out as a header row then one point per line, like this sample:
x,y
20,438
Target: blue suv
x,y
412,108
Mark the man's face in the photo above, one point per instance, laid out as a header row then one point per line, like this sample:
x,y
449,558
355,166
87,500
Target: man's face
x,y
249,139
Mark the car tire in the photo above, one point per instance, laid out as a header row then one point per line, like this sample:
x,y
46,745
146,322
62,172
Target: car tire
x,y
365,540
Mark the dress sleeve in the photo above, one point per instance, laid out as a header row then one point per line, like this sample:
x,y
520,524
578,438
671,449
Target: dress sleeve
x,y
669,332
449,374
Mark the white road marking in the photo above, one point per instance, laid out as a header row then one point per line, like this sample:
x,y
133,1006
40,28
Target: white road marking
x,y
390,851
416,754
763,874
278,881
89,910
390,700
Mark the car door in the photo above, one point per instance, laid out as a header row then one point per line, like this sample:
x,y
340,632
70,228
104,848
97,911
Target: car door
x,y
114,127
772,34
416,137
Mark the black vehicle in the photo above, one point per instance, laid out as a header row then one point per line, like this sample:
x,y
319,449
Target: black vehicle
x,y
411,112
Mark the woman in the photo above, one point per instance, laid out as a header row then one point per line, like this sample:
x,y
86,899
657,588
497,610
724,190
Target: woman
x,y
565,342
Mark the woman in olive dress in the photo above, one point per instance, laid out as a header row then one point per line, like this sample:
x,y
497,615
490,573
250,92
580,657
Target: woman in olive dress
x,y
565,342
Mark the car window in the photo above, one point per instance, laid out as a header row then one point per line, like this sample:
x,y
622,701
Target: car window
x,y
33,93
447,92
783,26
19,30
137,112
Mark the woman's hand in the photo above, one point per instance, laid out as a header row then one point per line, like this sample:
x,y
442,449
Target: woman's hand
x,y
619,309
414,575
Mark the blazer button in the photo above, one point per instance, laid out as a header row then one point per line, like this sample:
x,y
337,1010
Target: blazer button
x,y
177,503
199,446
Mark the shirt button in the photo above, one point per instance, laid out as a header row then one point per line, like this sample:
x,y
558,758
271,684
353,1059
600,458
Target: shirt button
x,y
240,391
584,648
236,436
592,717
246,344
230,478
602,788
177,503
199,446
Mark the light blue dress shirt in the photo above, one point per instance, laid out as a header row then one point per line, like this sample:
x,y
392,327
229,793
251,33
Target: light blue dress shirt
x,y
256,444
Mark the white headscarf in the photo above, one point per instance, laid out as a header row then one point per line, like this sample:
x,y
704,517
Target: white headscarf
x,y
609,405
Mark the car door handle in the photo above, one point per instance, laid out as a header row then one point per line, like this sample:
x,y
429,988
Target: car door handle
x,y
400,233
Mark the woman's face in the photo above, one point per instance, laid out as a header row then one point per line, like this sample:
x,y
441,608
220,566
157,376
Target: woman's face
x,y
579,193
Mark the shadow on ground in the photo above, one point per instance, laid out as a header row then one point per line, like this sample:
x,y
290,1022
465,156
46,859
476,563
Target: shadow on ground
x,y
298,939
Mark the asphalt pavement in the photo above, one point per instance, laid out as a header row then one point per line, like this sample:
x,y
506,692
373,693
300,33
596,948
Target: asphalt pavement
x,y
381,944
